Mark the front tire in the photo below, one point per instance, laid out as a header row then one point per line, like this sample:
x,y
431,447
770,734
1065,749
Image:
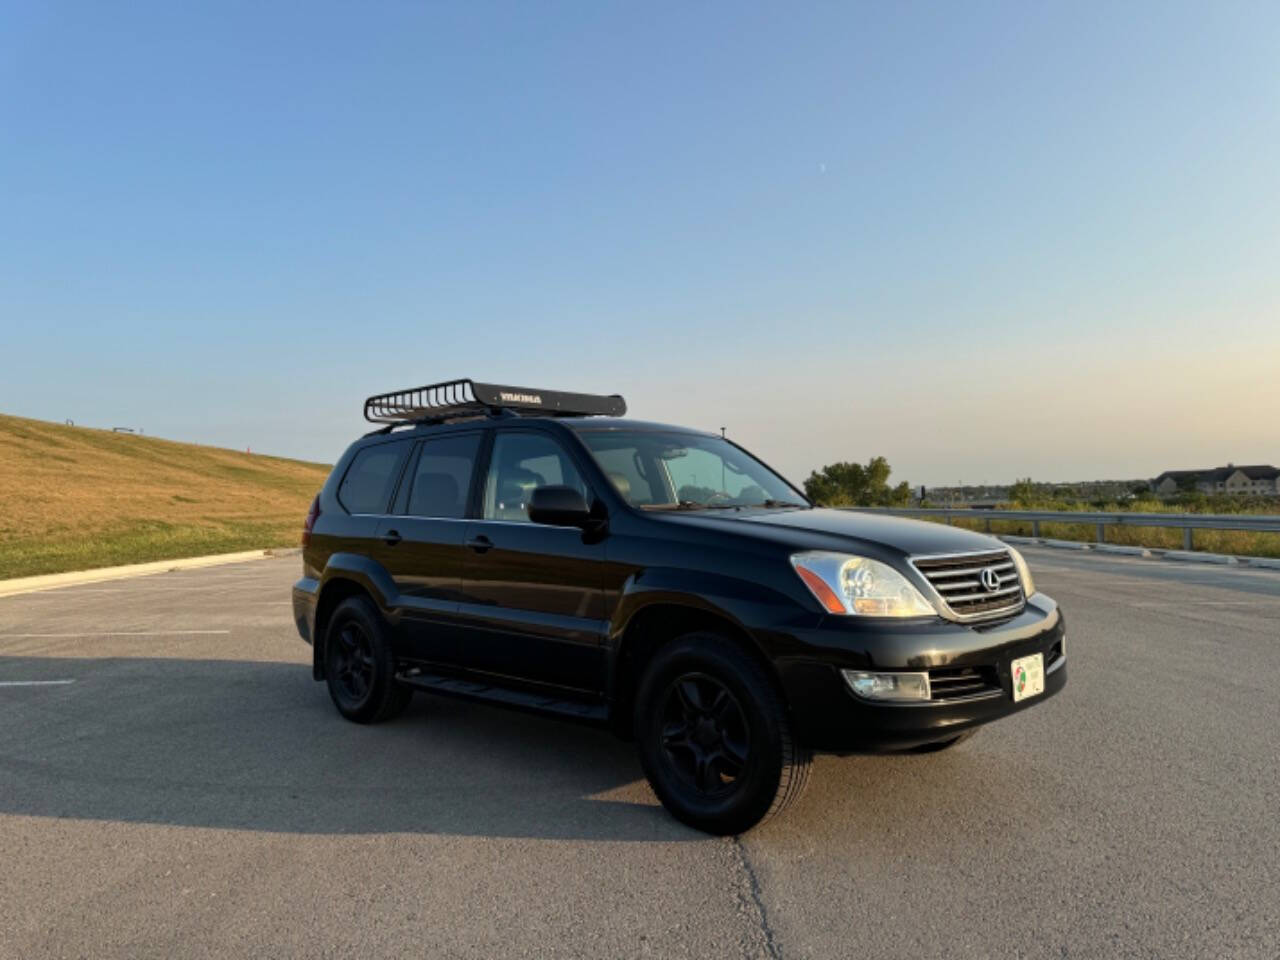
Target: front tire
x,y
713,736
359,664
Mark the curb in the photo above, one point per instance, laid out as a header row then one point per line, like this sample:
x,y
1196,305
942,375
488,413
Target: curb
x,y
1151,553
1126,551
1067,544
1195,557
53,581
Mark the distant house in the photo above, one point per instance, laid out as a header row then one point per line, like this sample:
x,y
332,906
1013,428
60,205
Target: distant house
x,y
1258,479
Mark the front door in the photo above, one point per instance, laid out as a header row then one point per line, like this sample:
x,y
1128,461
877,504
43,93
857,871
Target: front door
x,y
532,594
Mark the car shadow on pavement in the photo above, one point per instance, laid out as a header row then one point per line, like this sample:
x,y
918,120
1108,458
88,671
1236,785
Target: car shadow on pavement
x,y
259,746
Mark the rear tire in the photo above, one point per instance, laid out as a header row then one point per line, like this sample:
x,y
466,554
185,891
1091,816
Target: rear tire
x,y
360,664
713,736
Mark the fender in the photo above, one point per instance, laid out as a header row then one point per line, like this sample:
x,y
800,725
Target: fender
x,y
371,576
747,604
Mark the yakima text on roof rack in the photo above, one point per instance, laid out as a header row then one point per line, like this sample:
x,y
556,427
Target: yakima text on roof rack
x,y
466,398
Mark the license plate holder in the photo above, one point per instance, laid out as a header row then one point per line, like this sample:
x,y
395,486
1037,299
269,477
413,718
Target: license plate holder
x,y
1028,676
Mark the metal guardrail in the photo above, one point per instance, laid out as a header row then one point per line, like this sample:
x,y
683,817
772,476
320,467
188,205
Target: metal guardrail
x,y
1187,522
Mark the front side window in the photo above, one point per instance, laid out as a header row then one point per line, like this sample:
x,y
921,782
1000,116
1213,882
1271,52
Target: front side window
x,y
623,468
656,469
522,462
366,487
442,477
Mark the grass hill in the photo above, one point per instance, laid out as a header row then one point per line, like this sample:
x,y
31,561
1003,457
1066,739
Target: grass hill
x,y
74,498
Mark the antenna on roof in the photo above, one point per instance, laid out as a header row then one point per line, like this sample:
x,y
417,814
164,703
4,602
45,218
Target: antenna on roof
x,y
459,399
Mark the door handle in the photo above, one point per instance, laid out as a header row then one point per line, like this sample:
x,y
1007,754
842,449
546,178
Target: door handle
x,y
391,538
480,544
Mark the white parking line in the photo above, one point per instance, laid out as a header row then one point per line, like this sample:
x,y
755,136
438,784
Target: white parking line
x,y
113,633
78,591
34,683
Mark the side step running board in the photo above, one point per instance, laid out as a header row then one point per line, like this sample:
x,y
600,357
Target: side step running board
x,y
577,710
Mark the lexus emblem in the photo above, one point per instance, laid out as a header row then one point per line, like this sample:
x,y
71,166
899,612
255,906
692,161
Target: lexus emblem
x,y
990,579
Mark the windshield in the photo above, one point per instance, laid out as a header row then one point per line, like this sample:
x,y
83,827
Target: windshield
x,y
660,470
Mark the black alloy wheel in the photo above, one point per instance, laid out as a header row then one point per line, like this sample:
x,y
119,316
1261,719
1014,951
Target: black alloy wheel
x,y
353,662
360,664
705,738
714,736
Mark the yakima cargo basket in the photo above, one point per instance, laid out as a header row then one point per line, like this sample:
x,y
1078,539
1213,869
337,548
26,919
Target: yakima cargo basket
x,y
455,399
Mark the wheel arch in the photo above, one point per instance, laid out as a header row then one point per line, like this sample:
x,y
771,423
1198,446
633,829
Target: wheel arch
x,y
654,624
346,575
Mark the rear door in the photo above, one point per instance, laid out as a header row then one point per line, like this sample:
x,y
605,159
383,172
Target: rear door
x,y
532,594
364,494
421,543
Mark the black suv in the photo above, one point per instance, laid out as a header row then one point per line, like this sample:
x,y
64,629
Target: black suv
x,y
528,548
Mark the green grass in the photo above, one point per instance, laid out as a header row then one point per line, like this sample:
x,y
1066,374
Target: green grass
x,y
73,498
140,542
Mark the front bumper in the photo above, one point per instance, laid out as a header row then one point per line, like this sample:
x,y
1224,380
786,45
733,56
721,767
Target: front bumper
x,y
828,716
306,594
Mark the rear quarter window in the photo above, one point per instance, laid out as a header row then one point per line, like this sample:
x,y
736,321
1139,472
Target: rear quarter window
x,y
366,487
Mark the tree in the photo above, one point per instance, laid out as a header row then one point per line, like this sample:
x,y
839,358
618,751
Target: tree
x,y
1023,491
900,496
855,484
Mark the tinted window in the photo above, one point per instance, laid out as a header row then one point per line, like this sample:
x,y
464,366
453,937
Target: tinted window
x,y
521,463
367,486
622,466
442,477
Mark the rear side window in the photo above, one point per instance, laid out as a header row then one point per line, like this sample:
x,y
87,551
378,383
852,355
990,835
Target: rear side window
x,y
366,488
442,477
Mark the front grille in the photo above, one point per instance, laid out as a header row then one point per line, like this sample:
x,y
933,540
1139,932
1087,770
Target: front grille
x,y
958,580
956,683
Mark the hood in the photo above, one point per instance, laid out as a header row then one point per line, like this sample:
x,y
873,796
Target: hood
x,y
825,529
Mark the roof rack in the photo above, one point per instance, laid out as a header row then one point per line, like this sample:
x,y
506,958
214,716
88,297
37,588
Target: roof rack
x,y
458,399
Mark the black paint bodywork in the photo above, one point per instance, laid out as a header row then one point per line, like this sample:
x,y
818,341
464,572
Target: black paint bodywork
x,y
558,615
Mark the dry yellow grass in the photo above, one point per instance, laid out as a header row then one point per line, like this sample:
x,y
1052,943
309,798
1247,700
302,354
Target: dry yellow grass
x,y
74,498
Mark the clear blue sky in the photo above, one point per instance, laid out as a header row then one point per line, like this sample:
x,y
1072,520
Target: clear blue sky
x,y
983,240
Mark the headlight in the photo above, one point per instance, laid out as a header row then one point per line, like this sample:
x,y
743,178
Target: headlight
x,y
1024,572
847,584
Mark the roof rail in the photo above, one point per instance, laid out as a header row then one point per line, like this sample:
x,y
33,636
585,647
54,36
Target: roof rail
x,y
459,399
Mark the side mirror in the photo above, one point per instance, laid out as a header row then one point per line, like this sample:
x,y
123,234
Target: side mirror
x,y
559,507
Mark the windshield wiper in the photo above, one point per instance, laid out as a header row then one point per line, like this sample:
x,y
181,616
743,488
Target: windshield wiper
x,y
780,503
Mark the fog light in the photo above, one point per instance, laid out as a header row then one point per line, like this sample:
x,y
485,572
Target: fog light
x,y
888,686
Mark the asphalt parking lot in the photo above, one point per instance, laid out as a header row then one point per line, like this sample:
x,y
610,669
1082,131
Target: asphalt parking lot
x,y
191,792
